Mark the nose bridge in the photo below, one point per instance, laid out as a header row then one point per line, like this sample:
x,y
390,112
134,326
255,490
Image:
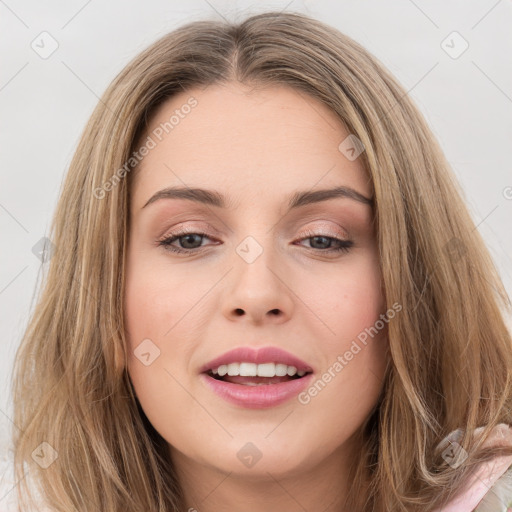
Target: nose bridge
x,y
250,249
255,259
256,288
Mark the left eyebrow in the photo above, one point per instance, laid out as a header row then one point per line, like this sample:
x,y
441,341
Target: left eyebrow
x,y
297,200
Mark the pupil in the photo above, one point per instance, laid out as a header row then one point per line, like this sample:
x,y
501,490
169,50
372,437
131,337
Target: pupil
x,y
187,239
325,239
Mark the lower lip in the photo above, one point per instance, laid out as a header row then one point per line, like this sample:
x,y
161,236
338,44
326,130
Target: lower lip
x,y
257,397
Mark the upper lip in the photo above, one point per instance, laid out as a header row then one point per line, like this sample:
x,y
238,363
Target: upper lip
x,y
258,356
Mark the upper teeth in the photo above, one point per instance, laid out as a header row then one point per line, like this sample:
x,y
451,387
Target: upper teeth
x,y
257,370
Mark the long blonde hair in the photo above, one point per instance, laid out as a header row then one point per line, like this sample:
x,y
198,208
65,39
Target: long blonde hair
x,y
451,351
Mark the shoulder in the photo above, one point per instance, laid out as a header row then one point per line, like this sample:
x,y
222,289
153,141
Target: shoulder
x,y
499,497
491,488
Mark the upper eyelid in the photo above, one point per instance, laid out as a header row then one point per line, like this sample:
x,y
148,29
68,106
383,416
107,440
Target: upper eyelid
x,y
318,231
319,224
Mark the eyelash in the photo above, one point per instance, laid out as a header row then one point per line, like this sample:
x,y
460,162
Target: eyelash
x,y
344,247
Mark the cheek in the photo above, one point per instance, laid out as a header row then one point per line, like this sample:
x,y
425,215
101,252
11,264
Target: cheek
x,y
152,304
347,297
156,316
354,354
150,310
152,318
349,301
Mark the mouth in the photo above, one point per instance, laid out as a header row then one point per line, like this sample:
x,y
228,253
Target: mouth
x,y
251,374
256,379
257,386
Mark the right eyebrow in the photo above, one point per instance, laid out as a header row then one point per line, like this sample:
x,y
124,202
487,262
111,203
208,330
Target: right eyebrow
x,y
309,197
297,200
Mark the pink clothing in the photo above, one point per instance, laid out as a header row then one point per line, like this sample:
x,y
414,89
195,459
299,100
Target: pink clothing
x,y
478,492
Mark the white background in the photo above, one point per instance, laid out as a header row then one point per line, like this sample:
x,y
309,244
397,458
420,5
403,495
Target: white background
x,y
45,104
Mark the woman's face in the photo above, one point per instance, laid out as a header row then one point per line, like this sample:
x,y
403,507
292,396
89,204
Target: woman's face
x,y
254,273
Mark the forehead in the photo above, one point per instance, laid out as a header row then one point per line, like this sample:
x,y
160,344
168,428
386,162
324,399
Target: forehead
x,y
253,144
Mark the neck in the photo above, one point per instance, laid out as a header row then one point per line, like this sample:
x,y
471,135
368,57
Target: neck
x,y
322,486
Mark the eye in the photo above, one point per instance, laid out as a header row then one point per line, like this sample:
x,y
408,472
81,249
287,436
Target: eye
x,y
190,242
325,243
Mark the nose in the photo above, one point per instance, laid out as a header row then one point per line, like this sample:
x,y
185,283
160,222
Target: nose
x,y
260,289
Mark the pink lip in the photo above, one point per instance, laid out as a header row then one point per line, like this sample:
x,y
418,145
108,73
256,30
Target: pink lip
x,y
258,356
257,397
